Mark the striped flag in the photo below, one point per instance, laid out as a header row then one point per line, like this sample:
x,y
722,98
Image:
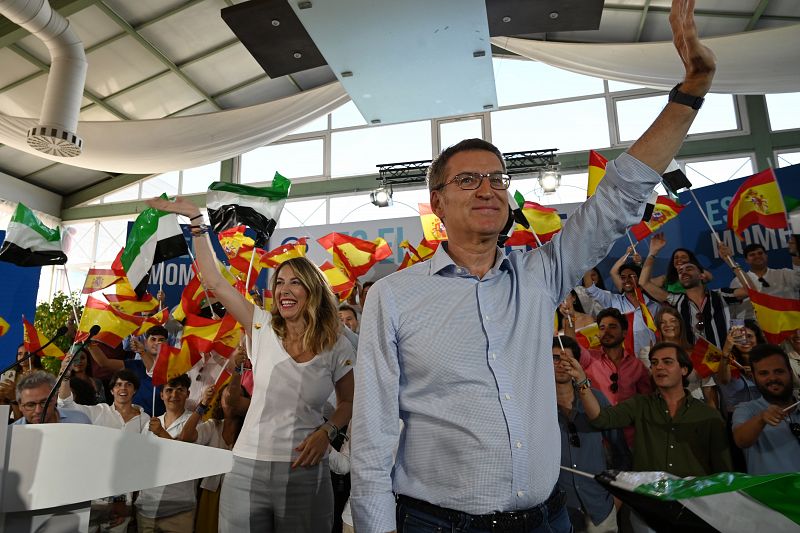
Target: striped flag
x,y
284,252
354,256
114,325
158,319
192,299
98,279
267,297
758,201
172,361
341,285
589,336
597,171
28,242
407,261
258,208
4,326
705,358
543,220
432,226
664,210
778,317
647,316
154,237
727,501
126,300
34,342
202,333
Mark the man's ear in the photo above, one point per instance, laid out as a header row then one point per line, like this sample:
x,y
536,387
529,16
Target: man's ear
x,y
437,203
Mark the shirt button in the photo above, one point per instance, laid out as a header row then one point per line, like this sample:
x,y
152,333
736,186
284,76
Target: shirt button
x,y
487,318
508,396
574,466
494,355
670,464
519,444
671,446
520,493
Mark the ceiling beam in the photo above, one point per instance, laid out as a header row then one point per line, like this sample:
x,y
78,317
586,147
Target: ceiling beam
x,y
642,20
11,32
702,12
130,30
106,186
245,83
757,14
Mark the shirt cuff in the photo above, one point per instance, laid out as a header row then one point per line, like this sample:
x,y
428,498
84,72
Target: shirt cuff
x,y
374,513
632,177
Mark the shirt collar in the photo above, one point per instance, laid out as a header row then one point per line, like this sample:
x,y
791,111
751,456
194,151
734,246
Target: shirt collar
x,y
442,263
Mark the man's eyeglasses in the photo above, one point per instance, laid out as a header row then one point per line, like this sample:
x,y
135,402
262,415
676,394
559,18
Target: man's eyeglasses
x,y
701,325
31,406
574,439
469,181
614,382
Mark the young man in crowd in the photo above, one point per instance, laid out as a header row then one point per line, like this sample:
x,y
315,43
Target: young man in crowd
x,y
583,447
348,317
768,429
169,509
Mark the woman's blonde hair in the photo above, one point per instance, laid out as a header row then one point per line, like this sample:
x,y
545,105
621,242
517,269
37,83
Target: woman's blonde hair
x,y
320,312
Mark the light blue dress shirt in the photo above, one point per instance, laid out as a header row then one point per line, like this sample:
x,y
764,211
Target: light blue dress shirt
x,y
466,364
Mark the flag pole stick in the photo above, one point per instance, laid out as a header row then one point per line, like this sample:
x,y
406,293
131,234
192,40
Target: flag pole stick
x,y
630,240
161,282
795,404
203,285
69,297
153,410
730,260
578,472
250,270
221,370
535,236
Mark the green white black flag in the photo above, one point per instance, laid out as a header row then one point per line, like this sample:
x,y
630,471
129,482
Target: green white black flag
x,y
28,242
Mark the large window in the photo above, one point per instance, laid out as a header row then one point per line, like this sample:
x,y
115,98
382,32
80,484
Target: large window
x,y
783,111
708,172
521,81
357,152
292,159
355,208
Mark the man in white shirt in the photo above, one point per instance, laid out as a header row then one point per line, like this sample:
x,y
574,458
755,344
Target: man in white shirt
x,y
111,514
169,509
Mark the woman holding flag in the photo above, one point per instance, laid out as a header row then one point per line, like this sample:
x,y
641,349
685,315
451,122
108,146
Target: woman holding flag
x,y
280,479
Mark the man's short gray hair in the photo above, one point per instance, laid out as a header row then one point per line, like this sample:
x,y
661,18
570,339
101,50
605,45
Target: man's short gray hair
x,y
33,380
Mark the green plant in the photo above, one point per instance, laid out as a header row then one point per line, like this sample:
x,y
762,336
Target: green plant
x,y
52,315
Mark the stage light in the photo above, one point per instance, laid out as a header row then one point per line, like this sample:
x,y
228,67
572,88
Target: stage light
x,y
382,196
549,180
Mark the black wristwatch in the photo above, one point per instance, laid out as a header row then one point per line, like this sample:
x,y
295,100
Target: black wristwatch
x,y
695,102
331,430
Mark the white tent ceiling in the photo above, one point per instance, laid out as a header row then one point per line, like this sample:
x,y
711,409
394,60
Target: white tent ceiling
x,y
152,59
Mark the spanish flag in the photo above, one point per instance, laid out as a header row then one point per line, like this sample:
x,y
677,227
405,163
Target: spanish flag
x,y
284,252
544,221
354,256
114,325
589,336
238,249
98,279
192,299
267,300
158,319
758,201
126,301
664,211
647,316
705,358
3,326
597,171
173,361
432,226
33,342
202,333
778,317
407,261
341,285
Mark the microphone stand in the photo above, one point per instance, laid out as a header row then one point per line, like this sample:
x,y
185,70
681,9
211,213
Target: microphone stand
x,y
60,333
81,347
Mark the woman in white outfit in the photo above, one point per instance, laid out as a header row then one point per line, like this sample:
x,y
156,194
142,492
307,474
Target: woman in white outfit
x,y
280,480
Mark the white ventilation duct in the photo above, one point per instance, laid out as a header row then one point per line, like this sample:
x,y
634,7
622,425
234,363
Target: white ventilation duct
x,y
56,133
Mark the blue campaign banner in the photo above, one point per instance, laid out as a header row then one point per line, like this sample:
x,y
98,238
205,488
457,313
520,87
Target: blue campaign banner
x,y
17,298
689,230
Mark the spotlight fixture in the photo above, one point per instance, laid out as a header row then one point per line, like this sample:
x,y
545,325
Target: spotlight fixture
x,y
382,196
549,179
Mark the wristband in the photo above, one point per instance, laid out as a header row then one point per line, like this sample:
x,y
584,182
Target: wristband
x,y
198,215
582,385
201,409
675,95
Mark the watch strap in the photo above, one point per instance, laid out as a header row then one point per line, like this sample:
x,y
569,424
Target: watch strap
x,y
695,102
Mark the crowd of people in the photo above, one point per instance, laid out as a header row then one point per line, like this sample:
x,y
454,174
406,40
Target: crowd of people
x,y
452,417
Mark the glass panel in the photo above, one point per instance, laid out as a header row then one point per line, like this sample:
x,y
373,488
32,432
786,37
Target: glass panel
x,y
570,126
318,124
292,159
303,213
164,183
358,207
703,173
636,114
614,86
196,180
346,116
127,194
782,109
788,158
111,236
78,242
357,152
522,81
451,133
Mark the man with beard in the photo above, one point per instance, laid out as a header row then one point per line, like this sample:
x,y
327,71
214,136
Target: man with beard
x,y
768,429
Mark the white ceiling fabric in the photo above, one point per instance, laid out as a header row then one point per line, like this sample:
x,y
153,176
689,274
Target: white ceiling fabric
x,y
167,144
756,62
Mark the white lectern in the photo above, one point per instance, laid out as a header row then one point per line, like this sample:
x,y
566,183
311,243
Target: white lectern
x,y
52,471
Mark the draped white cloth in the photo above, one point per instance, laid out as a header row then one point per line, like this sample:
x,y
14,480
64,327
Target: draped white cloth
x,y
755,62
164,145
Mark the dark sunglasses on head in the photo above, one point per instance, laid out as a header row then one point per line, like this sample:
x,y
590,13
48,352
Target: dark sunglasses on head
x,y
614,382
574,439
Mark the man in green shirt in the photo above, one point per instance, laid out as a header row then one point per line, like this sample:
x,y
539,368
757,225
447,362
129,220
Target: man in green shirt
x,y
675,433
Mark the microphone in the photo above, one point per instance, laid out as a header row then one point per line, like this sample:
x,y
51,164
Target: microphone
x,y
75,349
60,333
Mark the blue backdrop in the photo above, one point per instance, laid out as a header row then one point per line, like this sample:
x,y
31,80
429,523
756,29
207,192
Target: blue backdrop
x,y
17,298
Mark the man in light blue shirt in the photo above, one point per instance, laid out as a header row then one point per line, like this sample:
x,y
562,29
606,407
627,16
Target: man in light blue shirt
x,y
458,347
32,391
